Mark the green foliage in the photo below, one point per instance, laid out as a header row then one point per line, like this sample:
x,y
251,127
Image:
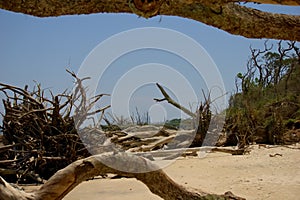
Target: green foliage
x,y
268,96
172,124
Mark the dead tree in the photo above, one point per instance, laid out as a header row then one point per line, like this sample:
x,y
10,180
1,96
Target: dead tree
x,y
202,118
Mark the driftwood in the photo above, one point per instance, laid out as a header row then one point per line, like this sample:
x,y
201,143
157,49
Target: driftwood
x,y
68,178
171,101
152,142
204,120
40,132
174,153
152,139
41,136
163,140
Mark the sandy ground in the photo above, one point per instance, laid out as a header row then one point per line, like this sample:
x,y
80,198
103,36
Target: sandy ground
x,y
266,173
259,175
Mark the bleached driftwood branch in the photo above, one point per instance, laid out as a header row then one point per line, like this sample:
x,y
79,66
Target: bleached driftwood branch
x,y
65,180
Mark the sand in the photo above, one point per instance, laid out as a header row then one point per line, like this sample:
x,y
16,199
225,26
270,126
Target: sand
x,y
265,173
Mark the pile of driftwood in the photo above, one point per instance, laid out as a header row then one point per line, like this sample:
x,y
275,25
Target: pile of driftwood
x,y
42,135
149,138
136,139
39,133
152,142
43,139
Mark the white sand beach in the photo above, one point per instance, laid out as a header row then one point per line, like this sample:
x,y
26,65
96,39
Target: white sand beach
x,y
268,172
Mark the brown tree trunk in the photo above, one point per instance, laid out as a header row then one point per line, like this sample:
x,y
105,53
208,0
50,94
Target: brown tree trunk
x,y
223,14
68,178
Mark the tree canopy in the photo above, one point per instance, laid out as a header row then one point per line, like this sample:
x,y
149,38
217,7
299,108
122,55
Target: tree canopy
x,y
229,15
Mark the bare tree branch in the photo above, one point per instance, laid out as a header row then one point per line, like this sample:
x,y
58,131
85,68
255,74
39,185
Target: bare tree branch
x,y
223,14
174,103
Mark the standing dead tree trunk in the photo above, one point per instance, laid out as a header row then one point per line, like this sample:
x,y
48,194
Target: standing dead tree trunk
x,y
68,178
203,118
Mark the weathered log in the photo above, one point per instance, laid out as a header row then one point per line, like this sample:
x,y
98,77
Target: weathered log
x,y
173,153
7,192
153,145
65,180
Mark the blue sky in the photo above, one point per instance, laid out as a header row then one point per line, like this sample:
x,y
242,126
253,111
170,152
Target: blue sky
x,y
40,49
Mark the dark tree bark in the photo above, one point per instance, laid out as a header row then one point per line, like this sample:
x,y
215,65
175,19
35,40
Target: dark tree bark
x,y
227,15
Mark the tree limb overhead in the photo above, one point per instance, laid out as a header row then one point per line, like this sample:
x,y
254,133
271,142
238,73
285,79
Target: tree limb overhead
x,y
227,15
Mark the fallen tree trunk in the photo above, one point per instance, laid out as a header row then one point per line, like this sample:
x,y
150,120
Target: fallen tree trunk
x,y
65,180
165,154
